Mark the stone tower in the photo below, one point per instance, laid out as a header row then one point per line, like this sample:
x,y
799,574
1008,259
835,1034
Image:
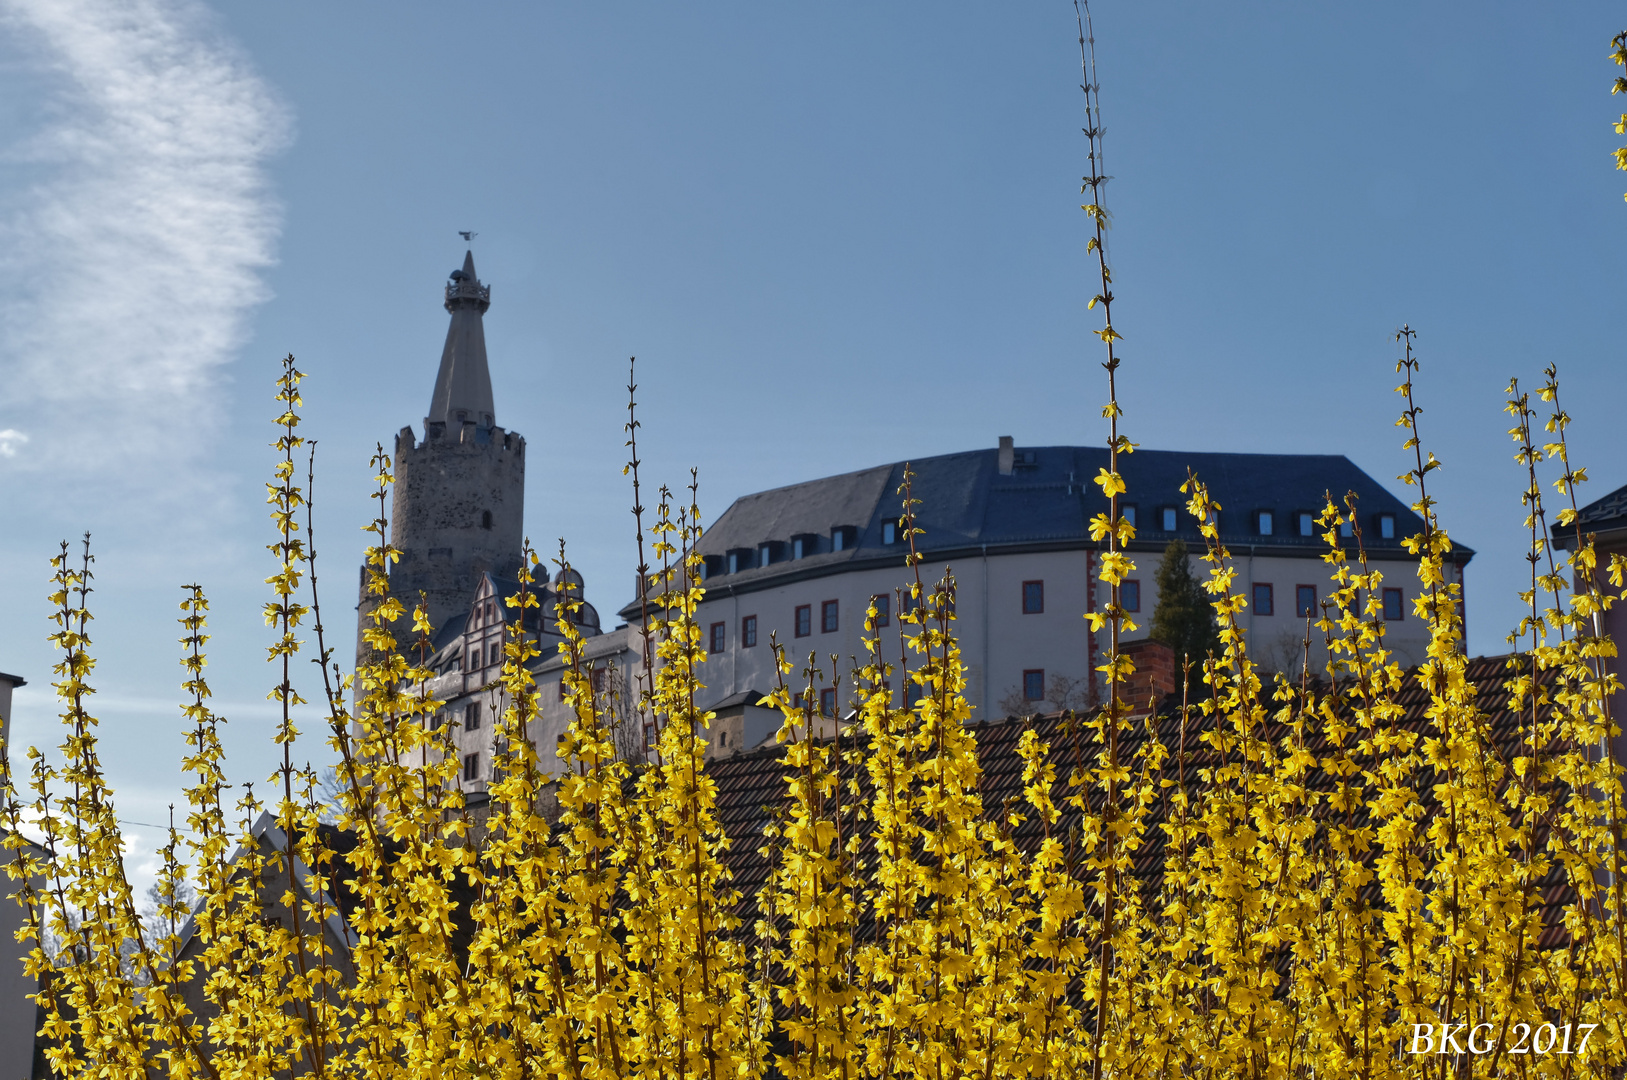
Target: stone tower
x,y
459,496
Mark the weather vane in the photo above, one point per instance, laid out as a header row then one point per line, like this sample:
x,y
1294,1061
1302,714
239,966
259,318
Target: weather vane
x,y
468,236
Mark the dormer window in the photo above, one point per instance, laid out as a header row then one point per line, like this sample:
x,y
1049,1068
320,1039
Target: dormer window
x,y
1307,523
1263,522
843,537
1386,526
889,532
741,559
711,566
1127,511
770,552
1169,518
803,545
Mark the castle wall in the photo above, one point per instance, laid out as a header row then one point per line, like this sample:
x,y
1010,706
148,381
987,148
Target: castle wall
x,y
459,511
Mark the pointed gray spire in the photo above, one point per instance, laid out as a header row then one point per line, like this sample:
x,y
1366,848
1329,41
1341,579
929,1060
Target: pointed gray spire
x,y
463,385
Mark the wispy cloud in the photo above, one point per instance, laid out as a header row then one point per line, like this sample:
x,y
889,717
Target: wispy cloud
x,y
134,243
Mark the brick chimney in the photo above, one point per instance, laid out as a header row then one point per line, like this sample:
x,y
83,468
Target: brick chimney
x,y
1154,676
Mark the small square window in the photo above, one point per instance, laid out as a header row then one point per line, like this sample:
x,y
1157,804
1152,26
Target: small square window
x,y
827,617
1264,522
1307,523
1130,595
827,701
1386,526
1034,684
748,632
1127,511
471,716
471,766
1393,611
889,532
1171,520
884,609
1305,601
718,637
1262,598
804,620
1033,597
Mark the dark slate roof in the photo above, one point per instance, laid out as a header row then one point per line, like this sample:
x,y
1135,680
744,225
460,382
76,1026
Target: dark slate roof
x,y
1047,503
752,790
1602,515
743,698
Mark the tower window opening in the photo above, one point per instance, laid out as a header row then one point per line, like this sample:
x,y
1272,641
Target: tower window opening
x,y
485,519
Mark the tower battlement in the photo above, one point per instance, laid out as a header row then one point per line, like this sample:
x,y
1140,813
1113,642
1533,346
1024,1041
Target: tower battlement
x,y
467,434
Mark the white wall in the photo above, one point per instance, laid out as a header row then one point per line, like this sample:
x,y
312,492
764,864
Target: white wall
x,y
998,641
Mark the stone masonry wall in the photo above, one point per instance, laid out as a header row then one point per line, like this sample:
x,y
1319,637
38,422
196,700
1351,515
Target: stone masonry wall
x,y
444,488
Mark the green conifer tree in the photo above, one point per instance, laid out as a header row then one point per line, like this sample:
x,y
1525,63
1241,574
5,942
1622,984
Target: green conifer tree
x,y
1184,619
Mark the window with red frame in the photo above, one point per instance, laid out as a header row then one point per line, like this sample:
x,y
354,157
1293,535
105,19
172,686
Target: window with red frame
x,y
1393,609
1033,598
827,701
884,609
1130,594
827,617
718,635
804,620
1034,684
1305,601
748,632
1262,598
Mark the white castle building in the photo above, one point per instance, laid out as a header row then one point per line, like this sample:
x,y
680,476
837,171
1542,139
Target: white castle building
x,y
799,565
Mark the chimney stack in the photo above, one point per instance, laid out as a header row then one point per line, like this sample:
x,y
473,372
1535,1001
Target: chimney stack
x,y
1008,456
1154,677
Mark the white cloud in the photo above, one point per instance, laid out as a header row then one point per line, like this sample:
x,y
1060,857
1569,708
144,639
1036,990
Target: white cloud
x,y
134,247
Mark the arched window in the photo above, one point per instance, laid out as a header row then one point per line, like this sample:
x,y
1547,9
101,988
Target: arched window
x,y
485,519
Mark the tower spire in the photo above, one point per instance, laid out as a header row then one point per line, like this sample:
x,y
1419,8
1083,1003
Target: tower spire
x,y
463,385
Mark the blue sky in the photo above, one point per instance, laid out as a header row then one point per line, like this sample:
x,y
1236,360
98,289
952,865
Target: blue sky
x,y
834,236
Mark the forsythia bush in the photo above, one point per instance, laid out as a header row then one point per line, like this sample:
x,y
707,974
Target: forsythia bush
x,y
1332,886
